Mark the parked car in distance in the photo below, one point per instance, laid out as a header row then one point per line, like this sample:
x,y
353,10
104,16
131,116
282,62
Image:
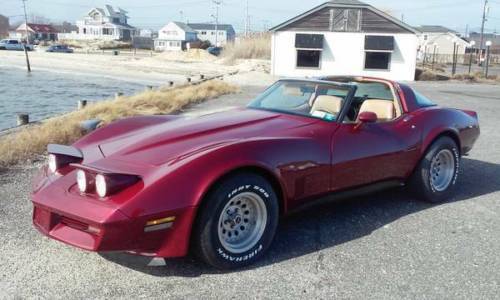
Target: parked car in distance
x,y
60,49
215,50
12,44
217,184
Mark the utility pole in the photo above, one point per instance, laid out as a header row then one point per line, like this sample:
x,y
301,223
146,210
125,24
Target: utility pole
x,y
481,43
27,37
247,21
217,4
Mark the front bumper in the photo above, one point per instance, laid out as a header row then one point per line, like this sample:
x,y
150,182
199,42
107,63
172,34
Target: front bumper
x,y
95,225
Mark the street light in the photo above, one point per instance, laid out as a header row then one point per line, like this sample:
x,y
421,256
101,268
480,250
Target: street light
x,y
471,50
488,46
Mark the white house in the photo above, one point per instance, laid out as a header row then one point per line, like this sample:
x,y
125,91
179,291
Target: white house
x,y
218,35
441,39
103,24
344,37
174,37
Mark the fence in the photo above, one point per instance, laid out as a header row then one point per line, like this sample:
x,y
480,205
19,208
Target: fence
x,y
462,59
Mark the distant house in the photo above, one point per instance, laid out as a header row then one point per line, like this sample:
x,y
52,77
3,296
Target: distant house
x,y
4,26
493,37
106,23
174,37
217,35
37,32
65,27
441,38
344,37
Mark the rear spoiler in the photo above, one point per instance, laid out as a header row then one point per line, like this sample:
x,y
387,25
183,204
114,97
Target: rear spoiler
x,y
64,150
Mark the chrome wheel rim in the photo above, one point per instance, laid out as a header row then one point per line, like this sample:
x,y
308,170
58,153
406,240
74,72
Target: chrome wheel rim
x,y
242,222
442,170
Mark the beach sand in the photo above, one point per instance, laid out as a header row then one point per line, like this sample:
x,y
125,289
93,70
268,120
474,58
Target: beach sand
x,y
143,68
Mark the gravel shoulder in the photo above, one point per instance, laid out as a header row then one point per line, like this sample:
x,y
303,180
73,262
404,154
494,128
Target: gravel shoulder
x,y
383,246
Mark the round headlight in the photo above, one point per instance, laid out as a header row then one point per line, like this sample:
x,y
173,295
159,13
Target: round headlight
x,y
52,163
101,185
81,179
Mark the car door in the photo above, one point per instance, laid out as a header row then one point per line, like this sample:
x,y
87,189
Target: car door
x,y
372,152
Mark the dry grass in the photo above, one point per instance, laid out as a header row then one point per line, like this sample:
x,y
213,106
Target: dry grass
x,y
429,75
477,77
32,141
255,47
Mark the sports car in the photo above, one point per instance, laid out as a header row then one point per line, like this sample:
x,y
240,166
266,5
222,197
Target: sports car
x,y
217,185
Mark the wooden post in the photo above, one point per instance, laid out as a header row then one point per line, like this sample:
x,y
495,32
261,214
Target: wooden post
x,y
82,104
202,76
171,83
189,79
118,95
23,119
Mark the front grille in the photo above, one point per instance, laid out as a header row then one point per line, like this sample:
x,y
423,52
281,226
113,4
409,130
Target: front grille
x,y
74,224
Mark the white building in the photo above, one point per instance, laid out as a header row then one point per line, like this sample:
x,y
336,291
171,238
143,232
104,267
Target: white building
x,y
344,37
103,24
218,35
175,36
440,38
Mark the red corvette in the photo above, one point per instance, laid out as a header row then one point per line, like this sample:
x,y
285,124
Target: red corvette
x,y
162,185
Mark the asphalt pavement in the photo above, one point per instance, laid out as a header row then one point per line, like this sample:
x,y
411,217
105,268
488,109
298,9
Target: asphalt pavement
x,y
383,246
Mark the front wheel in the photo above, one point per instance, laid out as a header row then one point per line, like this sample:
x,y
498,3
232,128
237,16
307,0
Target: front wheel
x,y
436,175
237,222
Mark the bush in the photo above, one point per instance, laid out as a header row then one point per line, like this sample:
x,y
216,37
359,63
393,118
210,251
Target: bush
x,y
255,47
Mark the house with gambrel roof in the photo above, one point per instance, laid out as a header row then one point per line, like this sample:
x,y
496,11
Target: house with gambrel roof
x,y
344,37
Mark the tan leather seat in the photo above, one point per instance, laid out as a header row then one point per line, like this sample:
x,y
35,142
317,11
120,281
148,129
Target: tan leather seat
x,y
328,104
384,109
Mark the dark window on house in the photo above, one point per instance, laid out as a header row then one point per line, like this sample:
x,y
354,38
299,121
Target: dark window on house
x,y
308,58
378,51
377,60
309,41
345,19
379,42
116,20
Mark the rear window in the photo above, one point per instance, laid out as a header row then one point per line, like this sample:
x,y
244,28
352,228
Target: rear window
x,y
374,90
422,101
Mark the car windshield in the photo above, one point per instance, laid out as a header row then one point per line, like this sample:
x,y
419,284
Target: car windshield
x,y
321,100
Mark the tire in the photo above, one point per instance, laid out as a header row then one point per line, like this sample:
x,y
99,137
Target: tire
x,y
237,222
435,178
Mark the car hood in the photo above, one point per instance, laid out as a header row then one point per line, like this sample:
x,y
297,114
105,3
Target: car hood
x,y
158,144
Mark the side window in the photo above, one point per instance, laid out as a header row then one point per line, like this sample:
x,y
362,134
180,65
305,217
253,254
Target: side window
x,y
422,101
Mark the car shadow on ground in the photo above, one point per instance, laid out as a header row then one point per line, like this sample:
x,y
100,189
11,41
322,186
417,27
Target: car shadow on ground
x,y
332,224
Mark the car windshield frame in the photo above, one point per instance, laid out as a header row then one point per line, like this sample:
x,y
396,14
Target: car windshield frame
x,y
349,87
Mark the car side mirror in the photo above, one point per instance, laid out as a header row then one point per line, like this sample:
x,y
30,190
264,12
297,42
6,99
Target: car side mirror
x,y
367,117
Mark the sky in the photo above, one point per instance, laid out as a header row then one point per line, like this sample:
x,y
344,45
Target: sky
x,y
153,14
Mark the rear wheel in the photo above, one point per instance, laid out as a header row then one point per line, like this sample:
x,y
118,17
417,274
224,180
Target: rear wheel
x,y
236,222
436,175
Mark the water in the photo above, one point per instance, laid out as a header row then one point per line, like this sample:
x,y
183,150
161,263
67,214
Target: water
x,y
44,94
